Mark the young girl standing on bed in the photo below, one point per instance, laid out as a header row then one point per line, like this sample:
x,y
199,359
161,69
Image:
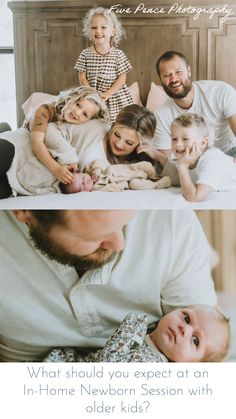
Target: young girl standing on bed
x,y
102,65
76,106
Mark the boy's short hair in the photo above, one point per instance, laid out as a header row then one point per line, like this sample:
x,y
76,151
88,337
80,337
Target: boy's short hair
x,y
189,120
220,353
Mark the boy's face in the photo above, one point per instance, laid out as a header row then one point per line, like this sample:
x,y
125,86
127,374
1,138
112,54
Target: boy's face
x,y
183,137
188,335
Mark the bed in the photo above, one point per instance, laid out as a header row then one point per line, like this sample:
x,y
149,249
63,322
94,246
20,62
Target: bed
x,y
170,198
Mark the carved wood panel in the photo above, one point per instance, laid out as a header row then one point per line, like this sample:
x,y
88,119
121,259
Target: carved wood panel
x,y
48,40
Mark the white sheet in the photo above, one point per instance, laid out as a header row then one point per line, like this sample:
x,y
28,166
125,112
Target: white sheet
x,y
170,198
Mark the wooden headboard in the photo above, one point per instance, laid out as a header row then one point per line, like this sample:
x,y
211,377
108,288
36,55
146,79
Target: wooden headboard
x,y
48,40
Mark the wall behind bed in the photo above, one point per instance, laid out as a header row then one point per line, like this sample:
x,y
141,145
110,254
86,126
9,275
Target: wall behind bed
x,y
48,40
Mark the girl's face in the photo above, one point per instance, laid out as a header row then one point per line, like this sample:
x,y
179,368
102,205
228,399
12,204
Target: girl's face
x,y
123,141
101,30
80,112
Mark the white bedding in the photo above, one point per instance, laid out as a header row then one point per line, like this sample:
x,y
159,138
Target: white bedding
x,y
170,198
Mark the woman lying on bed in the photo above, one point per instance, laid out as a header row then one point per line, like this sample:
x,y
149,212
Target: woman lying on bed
x,y
123,143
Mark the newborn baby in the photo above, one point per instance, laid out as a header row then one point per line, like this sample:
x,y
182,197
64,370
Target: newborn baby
x,y
82,183
116,178
196,333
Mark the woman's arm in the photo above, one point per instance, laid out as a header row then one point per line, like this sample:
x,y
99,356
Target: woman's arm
x,y
120,81
157,155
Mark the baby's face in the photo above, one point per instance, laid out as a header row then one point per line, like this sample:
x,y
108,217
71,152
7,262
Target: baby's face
x,y
182,137
82,183
188,335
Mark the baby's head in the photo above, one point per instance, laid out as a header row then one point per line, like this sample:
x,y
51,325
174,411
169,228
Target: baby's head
x,y
133,125
82,183
105,18
80,104
197,333
189,129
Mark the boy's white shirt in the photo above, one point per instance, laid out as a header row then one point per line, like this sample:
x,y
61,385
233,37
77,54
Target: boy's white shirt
x,y
215,169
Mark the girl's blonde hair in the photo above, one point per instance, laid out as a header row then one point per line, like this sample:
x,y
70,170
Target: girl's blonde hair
x,y
75,95
139,119
119,32
189,120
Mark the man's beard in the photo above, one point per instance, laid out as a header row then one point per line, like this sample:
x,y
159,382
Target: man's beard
x,y
55,252
187,86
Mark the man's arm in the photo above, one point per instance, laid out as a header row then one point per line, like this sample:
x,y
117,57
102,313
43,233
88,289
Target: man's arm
x,y
189,280
162,136
232,123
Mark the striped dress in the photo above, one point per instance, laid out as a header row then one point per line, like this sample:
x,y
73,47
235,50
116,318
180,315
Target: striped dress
x,y
101,73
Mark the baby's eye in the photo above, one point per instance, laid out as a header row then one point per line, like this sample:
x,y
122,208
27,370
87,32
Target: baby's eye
x,y
78,105
173,139
86,116
117,135
129,143
196,341
186,318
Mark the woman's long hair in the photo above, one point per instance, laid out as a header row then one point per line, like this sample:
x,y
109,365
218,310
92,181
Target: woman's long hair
x,y
139,119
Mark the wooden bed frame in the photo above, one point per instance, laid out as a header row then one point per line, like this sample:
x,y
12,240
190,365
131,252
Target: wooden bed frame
x,y
48,39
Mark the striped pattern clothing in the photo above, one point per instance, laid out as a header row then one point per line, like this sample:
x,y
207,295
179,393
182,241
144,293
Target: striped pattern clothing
x,y
101,73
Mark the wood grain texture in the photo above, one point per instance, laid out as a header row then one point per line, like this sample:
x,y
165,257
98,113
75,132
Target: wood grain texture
x,y
48,40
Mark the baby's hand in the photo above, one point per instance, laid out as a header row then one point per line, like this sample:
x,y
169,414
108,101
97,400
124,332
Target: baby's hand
x,y
63,174
190,157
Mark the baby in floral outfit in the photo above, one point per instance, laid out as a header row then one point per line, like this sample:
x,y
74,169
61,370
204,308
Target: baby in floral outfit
x,y
193,334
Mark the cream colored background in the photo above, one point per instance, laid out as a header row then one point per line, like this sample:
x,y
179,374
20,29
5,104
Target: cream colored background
x,y
220,228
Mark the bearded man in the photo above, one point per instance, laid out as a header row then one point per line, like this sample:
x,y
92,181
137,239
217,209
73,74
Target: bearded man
x,y
68,277
215,100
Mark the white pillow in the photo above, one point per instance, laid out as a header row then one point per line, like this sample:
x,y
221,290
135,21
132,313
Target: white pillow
x,y
135,93
156,97
34,101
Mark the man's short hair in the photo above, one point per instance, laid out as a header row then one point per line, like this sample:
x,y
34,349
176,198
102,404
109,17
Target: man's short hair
x,y
48,218
167,56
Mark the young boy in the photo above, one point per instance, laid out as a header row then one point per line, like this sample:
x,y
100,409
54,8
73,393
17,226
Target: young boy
x,y
197,333
212,170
